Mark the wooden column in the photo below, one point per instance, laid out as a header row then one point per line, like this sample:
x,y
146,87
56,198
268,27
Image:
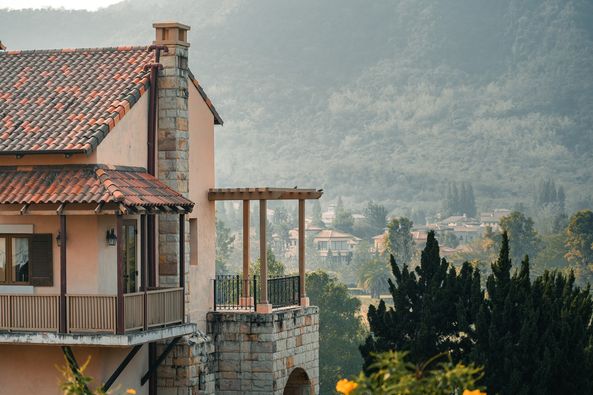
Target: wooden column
x,y
304,299
245,295
63,276
144,267
182,260
263,306
120,322
181,250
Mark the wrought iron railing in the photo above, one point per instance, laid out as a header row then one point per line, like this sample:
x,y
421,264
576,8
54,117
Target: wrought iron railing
x,y
284,291
232,292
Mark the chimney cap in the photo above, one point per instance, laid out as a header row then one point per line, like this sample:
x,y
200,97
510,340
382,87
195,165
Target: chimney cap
x,y
2,46
171,33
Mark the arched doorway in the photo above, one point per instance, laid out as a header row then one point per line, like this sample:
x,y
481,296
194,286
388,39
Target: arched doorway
x,y
298,383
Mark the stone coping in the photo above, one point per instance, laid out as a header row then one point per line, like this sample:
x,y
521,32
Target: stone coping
x,y
94,339
252,316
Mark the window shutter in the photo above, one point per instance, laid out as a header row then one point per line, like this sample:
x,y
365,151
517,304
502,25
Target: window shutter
x,y
41,260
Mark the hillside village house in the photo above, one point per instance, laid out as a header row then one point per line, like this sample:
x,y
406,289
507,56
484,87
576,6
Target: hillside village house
x,y
107,234
335,246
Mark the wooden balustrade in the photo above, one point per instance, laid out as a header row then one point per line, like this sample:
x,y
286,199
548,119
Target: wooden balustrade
x,y
29,312
90,313
134,311
165,306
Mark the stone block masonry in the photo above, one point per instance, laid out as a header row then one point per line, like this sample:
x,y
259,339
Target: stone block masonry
x,y
257,353
173,152
189,369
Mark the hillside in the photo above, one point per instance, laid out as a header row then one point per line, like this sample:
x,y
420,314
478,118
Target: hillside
x,y
383,100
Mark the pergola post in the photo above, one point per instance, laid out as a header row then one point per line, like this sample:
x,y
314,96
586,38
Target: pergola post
x,y
120,323
263,306
303,291
246,299
63,276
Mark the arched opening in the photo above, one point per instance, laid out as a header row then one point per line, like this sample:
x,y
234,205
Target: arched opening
x,y
298,383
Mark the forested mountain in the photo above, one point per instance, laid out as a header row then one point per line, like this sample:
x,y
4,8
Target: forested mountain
x,y
385,100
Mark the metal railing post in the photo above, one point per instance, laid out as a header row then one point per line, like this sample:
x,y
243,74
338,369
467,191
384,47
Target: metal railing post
x,y
214,293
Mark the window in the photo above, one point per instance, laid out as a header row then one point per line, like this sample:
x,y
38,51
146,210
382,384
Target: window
x,y
322,245
26,259
14,259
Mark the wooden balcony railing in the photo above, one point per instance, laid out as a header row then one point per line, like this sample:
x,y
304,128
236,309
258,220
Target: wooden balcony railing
x,y
90,313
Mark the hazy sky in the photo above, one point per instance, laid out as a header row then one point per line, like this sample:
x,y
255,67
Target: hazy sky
x,y
69,4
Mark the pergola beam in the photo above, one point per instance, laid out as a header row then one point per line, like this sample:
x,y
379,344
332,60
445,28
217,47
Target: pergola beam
x,y
263,194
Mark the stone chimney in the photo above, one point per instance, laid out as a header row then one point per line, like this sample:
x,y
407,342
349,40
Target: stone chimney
x,y
172,138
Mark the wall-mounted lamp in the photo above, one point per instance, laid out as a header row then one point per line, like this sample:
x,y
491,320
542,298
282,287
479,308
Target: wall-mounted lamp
x,y
111,238
59,239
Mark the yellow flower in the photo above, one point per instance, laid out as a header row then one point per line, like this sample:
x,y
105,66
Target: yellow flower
x,y
346,386
474,392
131,391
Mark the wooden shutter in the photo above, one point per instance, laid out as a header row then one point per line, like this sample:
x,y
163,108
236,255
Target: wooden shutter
x,y
41,260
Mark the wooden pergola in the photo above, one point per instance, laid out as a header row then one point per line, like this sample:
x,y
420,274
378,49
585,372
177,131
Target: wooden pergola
x,y
263,195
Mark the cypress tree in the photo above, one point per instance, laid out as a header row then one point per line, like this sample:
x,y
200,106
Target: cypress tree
x,y
434,309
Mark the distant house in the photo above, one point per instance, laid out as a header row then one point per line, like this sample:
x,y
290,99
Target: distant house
x,y
335,246
492,218
468,233
379,243
419,237
457,220
328,217
293,235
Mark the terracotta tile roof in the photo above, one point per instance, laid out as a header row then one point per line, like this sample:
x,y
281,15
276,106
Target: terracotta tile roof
x,y
66,101
130,186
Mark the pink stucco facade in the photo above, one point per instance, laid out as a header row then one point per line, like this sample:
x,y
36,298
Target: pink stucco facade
x,y
92,262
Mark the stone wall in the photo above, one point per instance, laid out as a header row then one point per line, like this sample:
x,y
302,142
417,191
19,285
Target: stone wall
x,y
173,153
256,353
189,369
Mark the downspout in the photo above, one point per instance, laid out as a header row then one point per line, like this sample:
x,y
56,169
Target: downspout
x,y
151,168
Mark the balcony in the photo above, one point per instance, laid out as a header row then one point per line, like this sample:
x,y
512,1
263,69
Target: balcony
x,y
155,314
233,293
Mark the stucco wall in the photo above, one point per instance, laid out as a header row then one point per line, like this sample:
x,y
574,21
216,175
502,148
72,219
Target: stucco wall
x,y
126,144
33,369
91,263
201,178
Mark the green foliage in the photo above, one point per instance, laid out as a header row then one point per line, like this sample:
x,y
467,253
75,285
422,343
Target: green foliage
x,y
275,267
376,217
391,374
371,96
373,274
224,247
434,309
76,382
344,220
340,329
524,239
459,201
531,337
579,241
399,240
316,214
579,238
534,338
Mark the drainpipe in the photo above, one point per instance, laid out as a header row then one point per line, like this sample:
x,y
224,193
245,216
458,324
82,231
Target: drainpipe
x,y
151,168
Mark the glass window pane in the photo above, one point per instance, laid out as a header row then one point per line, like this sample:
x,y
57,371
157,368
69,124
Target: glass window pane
x,y
20,259
2,260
